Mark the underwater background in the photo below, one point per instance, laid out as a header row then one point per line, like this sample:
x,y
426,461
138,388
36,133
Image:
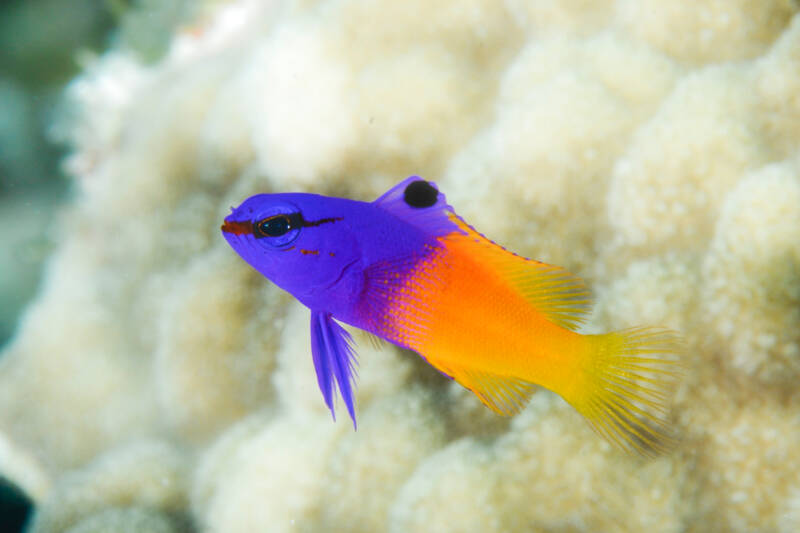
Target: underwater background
x,y
151,381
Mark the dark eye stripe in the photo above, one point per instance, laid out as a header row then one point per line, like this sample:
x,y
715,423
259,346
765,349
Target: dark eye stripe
x,y
296,220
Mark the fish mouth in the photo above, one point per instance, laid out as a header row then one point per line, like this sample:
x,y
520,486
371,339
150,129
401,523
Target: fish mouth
x,y
237,227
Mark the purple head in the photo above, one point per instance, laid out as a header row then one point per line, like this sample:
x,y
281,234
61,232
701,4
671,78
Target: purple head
x,y
301,242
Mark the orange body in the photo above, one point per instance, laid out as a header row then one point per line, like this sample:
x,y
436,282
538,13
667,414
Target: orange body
x,y
499,324
481,322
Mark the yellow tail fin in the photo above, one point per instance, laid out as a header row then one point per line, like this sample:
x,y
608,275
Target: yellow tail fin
x,y
626,385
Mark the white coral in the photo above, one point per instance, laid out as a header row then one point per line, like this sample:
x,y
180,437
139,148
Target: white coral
x,y
608,137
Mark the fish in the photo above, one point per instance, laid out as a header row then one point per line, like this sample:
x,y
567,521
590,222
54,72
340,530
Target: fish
x,y
407,269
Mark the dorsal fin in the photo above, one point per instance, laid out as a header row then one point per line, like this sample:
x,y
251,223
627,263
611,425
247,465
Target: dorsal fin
x,y
559,295
421,204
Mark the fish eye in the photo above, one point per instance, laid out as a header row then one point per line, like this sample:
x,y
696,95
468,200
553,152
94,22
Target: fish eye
x,y
279,230
274,226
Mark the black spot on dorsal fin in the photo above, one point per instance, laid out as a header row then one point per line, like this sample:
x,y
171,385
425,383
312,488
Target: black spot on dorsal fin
x,y
420,194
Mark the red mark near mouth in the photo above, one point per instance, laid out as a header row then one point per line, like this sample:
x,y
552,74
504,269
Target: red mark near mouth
x,y
237,228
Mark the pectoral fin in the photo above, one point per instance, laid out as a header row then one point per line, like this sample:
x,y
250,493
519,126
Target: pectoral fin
x,y
334,360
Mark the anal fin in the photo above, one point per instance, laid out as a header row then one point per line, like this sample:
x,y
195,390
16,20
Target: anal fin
x,y
504,395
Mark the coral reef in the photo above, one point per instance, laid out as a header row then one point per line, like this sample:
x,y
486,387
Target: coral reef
x,y
39,42
158,384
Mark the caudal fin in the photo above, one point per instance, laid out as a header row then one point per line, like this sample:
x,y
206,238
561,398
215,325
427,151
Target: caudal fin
x,y
627,384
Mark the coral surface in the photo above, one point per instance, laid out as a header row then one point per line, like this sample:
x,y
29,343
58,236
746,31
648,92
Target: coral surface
x,y
653,148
